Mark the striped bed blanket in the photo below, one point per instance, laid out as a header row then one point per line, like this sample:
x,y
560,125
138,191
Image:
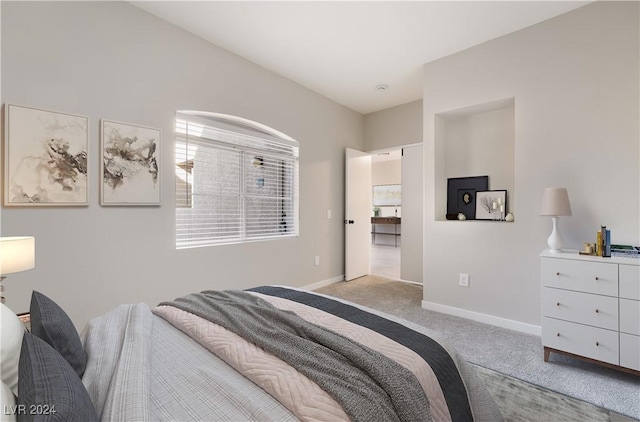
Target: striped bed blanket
x,y
154,365
397,373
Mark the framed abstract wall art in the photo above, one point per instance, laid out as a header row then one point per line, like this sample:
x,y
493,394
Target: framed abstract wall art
x,y
45,158
130,160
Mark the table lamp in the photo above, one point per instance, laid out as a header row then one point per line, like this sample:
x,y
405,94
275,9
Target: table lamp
x,y
16,254
555,202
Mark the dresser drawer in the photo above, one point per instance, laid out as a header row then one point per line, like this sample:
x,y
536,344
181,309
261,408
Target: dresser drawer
x,y
591,342
630,281
630,316
630,351
583,276
585,308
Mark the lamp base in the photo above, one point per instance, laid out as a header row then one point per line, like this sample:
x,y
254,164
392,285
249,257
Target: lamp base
x,y
555,240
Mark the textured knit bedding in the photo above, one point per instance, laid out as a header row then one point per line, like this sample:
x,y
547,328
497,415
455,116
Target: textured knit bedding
x,y
151,371
140,368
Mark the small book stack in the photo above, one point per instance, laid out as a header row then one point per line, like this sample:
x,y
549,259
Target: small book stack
x,y
625,251
603,242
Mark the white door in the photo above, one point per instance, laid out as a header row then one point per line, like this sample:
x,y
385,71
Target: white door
x,y
357,214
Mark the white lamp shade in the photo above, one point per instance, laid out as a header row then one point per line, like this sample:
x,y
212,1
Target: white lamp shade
x,y
17,254
555,202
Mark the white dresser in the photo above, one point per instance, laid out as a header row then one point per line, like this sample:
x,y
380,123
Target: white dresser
x,y
591,308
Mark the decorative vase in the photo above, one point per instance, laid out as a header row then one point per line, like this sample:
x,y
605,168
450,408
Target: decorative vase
x,y
461,216
509,217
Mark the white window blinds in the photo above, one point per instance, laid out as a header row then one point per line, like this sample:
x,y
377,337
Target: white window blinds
x,y
232,186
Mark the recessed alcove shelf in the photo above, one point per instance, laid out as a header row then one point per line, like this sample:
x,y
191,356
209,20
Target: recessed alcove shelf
x,y
475,141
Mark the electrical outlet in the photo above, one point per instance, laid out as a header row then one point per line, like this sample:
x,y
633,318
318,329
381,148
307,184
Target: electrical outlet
x,y
317,261
464,280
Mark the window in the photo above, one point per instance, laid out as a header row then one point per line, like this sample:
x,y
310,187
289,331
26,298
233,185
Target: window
x,y
236,181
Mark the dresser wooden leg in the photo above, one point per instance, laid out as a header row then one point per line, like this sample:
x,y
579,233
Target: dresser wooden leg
x,y
547,352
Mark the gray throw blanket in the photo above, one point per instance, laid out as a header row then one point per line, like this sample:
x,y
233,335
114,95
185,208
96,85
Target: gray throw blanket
x,y
367,384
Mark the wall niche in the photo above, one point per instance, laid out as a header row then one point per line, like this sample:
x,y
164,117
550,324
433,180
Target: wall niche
x,y
476,141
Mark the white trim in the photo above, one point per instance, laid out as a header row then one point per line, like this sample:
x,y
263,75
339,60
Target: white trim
x,y
329,281
417,283
411,282
389,149
235,123
487,319
323,283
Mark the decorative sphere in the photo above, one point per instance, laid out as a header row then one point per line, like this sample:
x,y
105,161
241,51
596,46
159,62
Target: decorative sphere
x,y
461,216
509,217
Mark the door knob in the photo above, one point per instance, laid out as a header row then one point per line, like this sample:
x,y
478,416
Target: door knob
x,y
349,222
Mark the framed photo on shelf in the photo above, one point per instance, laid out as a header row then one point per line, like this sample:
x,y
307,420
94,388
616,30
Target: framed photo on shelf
x,y
491,205
129,164
45,155
461,194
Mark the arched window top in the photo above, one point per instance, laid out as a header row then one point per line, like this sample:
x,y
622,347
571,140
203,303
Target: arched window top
x,y
236,123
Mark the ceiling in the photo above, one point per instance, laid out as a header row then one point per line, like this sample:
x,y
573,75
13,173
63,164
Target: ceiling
x,y
345,49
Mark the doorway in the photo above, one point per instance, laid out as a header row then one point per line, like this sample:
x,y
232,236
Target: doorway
x,y
386,224
398,253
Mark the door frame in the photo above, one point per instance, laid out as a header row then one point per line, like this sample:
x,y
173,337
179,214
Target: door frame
x,y
418,223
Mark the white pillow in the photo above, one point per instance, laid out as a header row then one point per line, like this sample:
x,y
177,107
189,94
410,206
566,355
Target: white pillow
x,y
11,332
8,408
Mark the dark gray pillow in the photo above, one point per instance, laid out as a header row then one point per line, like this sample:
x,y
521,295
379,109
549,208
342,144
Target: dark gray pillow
x,y
50,323
48,387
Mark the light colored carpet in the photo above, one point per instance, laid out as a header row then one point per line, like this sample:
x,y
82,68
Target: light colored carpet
x,y
508,352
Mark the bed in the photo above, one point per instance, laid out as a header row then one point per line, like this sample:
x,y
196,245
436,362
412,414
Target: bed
x,y
271,353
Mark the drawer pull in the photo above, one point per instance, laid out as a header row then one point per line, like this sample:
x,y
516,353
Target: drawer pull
x,y
557,303
597,343
597,311
558,335
597,279
557,274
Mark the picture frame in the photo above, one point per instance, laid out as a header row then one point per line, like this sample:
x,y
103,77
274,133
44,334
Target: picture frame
x,y
488,205
45,158
461,193
129,164
387,195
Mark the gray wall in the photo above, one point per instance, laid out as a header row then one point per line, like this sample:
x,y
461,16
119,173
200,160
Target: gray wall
x,y
574,79
393,127
114,61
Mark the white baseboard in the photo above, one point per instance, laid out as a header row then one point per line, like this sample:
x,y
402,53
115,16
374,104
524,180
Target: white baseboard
x,y
323,283
487,319
411,282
